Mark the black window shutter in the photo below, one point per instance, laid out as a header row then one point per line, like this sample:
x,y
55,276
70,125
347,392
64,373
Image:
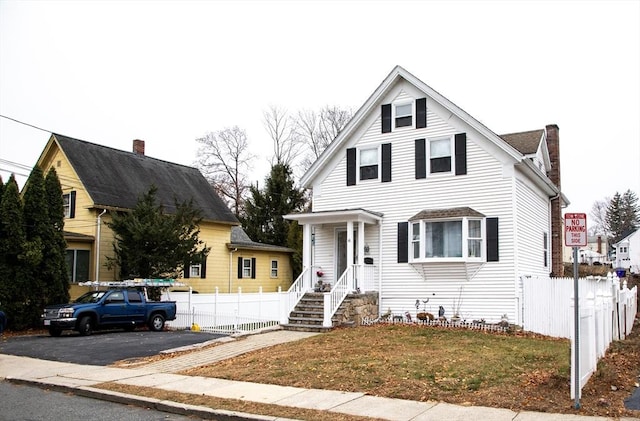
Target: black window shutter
x,y
492,240
421,113
403,242
187,270
72,204
203,267
386,118
461,153
239,267
253,268
351,167
421,159
386,162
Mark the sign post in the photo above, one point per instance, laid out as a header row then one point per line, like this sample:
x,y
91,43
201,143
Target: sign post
x,y
575,236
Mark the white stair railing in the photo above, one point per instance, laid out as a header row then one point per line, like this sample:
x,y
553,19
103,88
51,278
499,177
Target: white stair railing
x,y
336,296
294,294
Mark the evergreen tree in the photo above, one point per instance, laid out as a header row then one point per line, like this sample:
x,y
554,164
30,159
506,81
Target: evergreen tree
x,y
152,244
54,264
264,220
13,258
295,241
622,215
39,235
265,209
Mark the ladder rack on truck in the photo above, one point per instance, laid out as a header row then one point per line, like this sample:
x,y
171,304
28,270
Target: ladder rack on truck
x,y
133,283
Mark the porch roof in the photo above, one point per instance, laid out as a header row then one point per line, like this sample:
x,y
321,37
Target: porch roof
x,y
336,216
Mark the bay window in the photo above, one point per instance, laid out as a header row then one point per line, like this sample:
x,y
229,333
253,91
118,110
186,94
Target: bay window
x,y
458,239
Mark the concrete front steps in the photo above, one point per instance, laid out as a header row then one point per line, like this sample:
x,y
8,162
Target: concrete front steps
x,y
308,315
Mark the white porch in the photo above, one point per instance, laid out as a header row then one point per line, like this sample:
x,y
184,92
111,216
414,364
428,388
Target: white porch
x,y
346,238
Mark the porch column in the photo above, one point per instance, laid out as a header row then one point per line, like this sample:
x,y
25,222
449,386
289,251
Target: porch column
x,y
360,268
307,244
350,251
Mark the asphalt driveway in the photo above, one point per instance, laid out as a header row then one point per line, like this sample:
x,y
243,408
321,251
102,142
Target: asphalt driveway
x,y
101,348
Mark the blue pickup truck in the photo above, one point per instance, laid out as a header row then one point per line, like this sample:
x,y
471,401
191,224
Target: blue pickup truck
x,y
113,308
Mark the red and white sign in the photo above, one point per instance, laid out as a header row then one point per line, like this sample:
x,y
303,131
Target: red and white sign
x,y
575,229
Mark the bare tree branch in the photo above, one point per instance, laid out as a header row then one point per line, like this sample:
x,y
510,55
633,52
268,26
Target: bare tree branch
x,y
286,144
317,129
224,159
598,216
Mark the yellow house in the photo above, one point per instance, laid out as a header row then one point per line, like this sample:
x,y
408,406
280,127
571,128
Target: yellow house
x,y
97,180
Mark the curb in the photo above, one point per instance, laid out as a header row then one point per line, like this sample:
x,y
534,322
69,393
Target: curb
x,y
144,402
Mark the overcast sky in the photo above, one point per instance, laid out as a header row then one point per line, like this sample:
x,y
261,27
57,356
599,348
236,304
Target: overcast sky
x,y
168,72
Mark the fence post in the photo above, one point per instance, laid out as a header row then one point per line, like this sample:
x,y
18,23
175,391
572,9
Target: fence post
x,y
260,302
215,308
192,313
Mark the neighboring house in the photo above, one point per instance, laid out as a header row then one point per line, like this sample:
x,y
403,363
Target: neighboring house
x,y
98,180
418,200
596,251
627,252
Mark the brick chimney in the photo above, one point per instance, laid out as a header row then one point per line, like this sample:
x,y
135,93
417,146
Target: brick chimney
x,y
553,145
138,146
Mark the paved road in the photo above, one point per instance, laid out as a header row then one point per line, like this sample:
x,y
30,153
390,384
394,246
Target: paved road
x,y
35,404
101,348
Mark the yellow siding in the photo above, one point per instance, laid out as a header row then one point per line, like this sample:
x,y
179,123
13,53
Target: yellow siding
x,y
221,269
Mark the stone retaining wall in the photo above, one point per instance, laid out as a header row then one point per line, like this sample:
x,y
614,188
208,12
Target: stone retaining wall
x,y
356,307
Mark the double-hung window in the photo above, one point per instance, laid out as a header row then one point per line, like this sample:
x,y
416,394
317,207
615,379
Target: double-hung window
x,y
455,239
404,115
415,239
369,164
440,155
77,265
274,268
246,268
195,270
66,204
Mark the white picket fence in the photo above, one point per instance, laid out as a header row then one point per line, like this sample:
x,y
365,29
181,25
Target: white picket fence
x,y
226,313
607,312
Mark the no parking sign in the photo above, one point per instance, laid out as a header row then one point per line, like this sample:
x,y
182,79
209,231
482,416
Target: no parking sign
x,y
575,229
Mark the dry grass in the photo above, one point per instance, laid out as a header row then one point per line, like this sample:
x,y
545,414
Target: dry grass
x,y
515,371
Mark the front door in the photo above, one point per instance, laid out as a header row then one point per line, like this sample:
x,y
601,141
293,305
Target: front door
x,y
341,251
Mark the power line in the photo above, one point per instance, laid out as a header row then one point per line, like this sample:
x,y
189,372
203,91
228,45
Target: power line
x,y
25,124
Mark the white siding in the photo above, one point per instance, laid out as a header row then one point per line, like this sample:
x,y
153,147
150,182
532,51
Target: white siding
x,y
533,220
488,187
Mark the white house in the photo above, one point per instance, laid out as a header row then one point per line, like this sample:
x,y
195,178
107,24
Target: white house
x,y
418,200
628,252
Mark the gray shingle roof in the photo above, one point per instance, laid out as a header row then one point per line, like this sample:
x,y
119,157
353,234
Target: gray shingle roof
x,y
525,142
240,240
446,213
115,178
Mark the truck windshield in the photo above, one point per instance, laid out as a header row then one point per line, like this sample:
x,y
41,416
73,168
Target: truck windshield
x,y
90,297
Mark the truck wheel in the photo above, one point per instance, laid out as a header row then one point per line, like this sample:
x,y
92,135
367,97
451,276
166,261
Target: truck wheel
x,y
156,323
85,327
54,331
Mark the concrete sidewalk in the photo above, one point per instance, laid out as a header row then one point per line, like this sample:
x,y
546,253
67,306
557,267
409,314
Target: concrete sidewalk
x,y
80,380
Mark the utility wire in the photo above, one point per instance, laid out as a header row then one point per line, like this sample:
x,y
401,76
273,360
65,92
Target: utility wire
x,y
26,124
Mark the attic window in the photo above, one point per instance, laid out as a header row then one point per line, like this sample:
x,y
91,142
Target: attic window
x,y
404,115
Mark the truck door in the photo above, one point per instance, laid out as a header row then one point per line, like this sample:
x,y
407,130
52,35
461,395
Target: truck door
x,y
136,307
115,308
